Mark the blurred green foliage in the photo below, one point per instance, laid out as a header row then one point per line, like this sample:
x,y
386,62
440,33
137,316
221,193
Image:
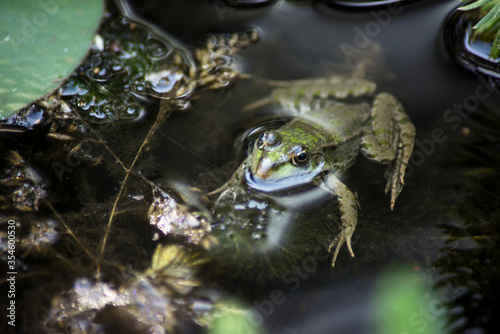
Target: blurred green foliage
x,y
406,303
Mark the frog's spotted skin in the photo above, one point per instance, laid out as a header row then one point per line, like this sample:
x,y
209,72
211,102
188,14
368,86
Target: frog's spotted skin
x,y
324,139
332,87
384,146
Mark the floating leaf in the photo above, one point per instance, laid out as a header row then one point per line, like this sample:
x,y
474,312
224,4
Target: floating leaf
x,y
41,42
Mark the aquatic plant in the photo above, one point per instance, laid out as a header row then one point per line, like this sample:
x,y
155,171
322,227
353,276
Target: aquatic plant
x,y
488,27
470,261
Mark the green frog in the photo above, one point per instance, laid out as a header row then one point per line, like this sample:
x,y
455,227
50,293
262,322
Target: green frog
x,y
330,125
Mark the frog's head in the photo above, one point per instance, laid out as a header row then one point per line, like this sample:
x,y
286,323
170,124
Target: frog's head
x,y
282,159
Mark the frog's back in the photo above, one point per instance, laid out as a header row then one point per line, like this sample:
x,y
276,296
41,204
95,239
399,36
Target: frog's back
x,y
340,121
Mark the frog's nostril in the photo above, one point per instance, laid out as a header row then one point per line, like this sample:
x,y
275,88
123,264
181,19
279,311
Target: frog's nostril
x,y
263,169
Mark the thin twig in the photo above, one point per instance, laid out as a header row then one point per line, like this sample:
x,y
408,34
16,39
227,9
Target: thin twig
x,y
162,114
71,233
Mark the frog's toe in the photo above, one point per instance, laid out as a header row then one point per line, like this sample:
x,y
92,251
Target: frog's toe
x,y
395,188
344,237
394,183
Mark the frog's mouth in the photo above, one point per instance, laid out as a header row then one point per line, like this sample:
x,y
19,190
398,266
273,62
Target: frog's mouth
x,y
269,184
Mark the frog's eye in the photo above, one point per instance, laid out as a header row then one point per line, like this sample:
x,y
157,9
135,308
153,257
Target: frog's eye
x,y
301,157
268,139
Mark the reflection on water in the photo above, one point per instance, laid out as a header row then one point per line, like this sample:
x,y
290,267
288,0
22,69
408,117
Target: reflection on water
x,y
367,5
272,246
469,52
428,85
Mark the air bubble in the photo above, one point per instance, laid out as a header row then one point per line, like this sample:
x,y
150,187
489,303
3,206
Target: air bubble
x,y
157,50
74,86
163,81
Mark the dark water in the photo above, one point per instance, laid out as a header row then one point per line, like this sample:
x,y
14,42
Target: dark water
x,y
300,40
444,226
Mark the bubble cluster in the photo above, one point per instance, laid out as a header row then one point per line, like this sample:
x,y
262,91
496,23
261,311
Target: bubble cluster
x,y
127,64
215,62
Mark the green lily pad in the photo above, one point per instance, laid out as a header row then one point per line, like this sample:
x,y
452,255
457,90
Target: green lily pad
x,y
41,43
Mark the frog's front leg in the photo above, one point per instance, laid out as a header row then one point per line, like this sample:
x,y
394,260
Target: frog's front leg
x,y
348,207
388,139
235,178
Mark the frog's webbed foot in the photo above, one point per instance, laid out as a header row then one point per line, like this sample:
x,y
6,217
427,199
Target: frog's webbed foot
x,y
395,175
389,140
348,207
218,190
344,237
